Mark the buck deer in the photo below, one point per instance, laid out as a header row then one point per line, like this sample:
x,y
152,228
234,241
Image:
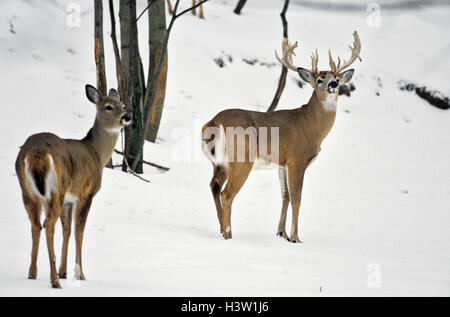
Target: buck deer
x,y
64,175
300,134
194,11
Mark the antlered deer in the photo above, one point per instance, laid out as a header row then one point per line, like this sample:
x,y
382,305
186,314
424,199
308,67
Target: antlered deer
x,y
63,175
300,134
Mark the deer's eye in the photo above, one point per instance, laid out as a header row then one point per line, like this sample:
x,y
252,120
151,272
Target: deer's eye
x,y
319,81
108,108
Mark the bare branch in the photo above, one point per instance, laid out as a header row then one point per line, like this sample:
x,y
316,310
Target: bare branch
x,y
190,9
146,162
153,1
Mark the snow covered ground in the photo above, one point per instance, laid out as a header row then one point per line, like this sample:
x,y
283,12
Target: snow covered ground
x,y
376,203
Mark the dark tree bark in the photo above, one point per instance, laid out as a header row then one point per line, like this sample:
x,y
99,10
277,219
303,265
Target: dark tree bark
x,y
239,6
282,80
132,73
157,30
120,82
138,99
99,48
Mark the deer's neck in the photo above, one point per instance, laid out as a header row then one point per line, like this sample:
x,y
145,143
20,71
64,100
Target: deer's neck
x,y
320,114
102,142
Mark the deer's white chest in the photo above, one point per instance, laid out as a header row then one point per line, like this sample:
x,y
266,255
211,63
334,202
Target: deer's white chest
x,y
330,104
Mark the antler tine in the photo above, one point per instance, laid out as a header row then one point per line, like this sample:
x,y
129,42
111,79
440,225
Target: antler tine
x,y
288,51
332,63
314,61
356,49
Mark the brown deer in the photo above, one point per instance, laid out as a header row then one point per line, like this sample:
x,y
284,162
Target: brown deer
x,y
300,133
194,10
63,175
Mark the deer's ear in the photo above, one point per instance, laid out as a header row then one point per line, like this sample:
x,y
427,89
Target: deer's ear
x,y
114,94
346,76
305,74
92,94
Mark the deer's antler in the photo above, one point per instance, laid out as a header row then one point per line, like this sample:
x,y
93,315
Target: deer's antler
x,y
314,61
356,49
288,51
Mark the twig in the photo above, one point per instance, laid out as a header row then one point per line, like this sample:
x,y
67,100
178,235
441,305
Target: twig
x,y
128,166
190,9
145,10
146,162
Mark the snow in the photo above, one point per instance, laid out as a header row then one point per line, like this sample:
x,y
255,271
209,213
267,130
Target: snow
x,y
375,205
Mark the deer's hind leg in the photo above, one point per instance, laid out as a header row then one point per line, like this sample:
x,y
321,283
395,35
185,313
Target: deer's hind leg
x,y
66,222
237,175
34,208
53,211
282,174
217,181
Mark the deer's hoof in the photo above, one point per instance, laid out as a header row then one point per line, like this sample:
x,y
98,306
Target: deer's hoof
x,y
62,275
283,234
55,284
227,235
294,240
32,273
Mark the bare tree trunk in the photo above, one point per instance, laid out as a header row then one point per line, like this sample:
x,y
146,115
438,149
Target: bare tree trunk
x,y
157,30
133,75
239,6
120,82
99,52
282,81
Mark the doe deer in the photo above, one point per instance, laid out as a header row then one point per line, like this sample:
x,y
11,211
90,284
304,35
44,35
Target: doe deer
x,y
63,175
298,142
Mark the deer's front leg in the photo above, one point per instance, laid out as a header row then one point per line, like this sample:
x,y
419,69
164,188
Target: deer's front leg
x,y
295,177
80,223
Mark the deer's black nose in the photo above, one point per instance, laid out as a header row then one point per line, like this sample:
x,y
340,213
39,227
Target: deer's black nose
x,y
126,117
333,84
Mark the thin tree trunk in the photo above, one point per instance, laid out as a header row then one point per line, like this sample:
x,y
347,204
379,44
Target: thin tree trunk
x,y
157,30
120,82
282,80
99,48
99,52
239,6
133,74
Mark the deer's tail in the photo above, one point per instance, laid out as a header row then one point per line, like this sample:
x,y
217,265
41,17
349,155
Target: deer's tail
x,y
40,174
213,143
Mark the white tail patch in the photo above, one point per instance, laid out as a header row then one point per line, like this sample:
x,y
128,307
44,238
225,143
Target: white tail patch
x,y
30,180
218,143
51,180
